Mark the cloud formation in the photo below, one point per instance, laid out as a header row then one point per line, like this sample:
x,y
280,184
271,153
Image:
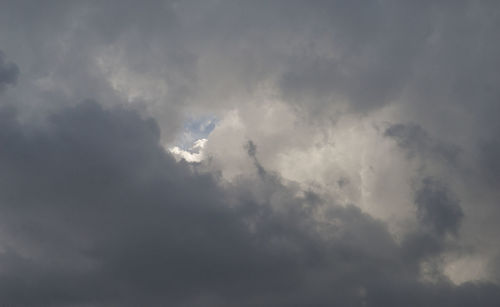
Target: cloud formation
x,y
343,153
101,215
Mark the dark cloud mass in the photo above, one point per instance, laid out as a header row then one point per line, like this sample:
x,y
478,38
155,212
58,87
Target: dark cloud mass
x,y
437,209
417,141
8,72
345,153
98,214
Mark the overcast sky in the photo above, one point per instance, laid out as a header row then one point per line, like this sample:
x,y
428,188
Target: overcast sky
x,y
249,153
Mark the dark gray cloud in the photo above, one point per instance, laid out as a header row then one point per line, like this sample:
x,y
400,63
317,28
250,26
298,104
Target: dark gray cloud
x,y
489,164
416,141
368,54
439,217
8,72
424,53
94,212
437,209
373,49
252,153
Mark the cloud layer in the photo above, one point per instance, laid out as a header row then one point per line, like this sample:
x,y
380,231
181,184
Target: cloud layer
x,y
342,153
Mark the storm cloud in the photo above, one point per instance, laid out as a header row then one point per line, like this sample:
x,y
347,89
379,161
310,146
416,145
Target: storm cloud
x,y
346,153
100,214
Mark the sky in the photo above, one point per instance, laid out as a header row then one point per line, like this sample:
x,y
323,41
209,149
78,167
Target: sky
x,y
249,153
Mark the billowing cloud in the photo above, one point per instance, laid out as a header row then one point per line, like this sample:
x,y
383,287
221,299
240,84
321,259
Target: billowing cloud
x,y
249,153
102,215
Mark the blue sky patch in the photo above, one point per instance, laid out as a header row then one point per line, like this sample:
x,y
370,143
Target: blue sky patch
x,y
195,128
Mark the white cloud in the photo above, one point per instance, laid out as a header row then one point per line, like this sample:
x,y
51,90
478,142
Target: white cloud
x,y
194,154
